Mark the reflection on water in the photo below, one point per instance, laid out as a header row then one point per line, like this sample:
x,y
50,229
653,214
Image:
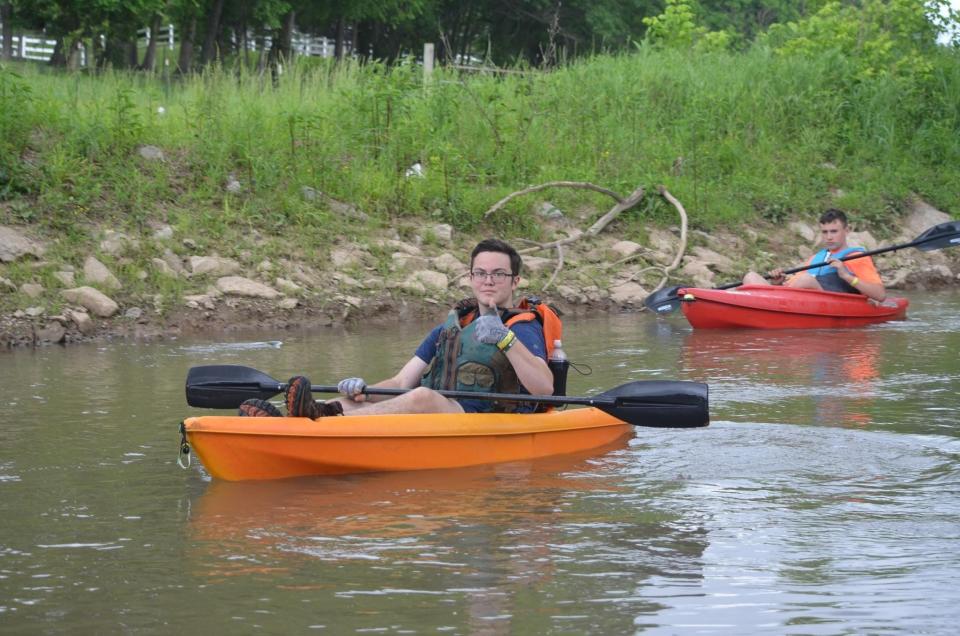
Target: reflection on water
x,y
844,375
893,376
420,500
476,540
823,499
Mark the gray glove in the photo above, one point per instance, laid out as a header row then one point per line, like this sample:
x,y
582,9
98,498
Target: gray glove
x,y
489,328
352,387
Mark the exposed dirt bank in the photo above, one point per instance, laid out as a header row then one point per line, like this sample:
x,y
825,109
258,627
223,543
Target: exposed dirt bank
x,y
387,280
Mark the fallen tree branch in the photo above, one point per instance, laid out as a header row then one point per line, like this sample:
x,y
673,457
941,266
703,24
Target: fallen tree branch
x,y
622,204
556,270
580,185
683,239
641,253
541,246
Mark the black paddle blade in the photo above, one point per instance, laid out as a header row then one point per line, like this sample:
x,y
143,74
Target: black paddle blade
x,y
227,386
660,403
939,236
663,301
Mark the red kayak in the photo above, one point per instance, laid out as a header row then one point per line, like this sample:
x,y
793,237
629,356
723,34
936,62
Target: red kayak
x,y
775,307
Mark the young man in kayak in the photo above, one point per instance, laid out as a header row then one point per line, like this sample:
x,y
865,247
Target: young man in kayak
x,y
470,351
858,276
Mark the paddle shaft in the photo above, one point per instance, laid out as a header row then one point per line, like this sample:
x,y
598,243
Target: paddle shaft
x,y
553,400
653,403
275,388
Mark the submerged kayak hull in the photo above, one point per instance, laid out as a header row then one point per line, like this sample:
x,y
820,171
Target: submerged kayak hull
x,y
244,448
776,307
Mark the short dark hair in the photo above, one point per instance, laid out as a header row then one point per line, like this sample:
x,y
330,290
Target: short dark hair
x,y
833,214
496,245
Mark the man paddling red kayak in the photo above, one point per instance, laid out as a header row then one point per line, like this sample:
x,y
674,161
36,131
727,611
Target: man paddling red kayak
x,y
940,236
856,276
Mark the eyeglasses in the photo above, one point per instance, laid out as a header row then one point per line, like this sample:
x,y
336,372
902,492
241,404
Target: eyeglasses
x,y
497,277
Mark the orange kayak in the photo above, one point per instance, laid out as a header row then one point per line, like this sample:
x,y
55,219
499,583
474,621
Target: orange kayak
x,y
241,448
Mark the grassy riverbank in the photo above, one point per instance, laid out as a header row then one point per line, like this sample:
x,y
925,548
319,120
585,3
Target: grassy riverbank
x,y
758,133
737,138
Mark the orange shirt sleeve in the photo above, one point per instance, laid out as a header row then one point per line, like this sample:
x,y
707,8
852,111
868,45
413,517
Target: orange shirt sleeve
x,y
789,278
864,269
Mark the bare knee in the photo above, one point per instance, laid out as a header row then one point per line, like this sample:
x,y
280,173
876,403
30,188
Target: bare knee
x,y
418,400
424,400
753,278
803,280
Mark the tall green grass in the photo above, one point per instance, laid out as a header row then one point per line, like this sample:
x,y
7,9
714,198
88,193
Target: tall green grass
x,y
734,136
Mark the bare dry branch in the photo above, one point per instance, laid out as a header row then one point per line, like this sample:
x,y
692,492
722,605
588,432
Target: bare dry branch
x,y
556,270
683,237
642,253
582,185
622,204
683,228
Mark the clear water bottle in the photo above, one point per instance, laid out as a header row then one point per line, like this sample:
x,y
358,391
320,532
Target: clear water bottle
x,y
559,365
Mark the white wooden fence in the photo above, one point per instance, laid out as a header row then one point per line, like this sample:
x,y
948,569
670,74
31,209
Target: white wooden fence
x,y
39,48
302,44
30,48
164,36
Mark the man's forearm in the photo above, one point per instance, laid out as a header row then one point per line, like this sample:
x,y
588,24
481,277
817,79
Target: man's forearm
x,y
532,371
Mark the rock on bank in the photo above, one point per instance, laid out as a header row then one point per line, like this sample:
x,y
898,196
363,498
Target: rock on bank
x,y
163,284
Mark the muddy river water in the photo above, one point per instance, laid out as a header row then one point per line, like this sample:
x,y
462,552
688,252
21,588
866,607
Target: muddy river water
x,y
823,499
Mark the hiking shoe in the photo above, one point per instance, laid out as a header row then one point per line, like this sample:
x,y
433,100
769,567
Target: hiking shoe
x,y
299,399
259,408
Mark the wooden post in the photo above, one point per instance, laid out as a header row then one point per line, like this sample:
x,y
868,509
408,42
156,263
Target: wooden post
x,y
427,61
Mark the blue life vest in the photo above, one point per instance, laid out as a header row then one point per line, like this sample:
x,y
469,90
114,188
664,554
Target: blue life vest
x,y
827,275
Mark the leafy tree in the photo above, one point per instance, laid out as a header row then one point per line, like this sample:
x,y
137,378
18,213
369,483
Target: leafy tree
x,y
382,28
538,31
882,36
76,21
678,27
749,18
120,21
616,24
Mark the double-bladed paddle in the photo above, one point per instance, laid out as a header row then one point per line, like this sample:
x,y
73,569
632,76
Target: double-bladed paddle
x,y
665,301
654,403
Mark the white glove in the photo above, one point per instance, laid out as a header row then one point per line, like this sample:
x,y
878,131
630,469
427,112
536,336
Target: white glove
x,y
352,387
489,328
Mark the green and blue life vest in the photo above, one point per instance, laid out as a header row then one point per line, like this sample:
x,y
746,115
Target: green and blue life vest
x,y
463,363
